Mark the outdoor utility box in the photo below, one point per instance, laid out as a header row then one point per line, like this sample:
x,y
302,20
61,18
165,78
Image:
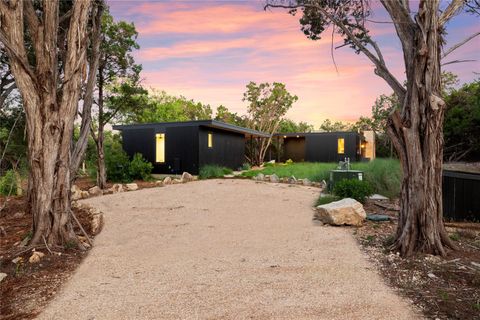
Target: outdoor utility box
x,y
338,175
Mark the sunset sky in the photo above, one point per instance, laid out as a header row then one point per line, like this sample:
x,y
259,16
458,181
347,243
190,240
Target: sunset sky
x,y
209,50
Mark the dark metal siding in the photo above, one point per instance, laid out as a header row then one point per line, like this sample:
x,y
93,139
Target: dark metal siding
x,y
139,141
181,150
294,148
323,147
461,196
228,148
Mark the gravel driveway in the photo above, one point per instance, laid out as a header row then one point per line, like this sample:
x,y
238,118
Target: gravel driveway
x,y
223,249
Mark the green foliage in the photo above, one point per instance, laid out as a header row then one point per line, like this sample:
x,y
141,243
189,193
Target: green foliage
x,y
117,163
246,166
140,168
290,126
289,161
225,115
326,199
329,126
384,175
352,188
8,183
161,107
213,171
462,123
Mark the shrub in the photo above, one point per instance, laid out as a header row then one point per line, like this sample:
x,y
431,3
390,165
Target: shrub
x,y
117,164
213,171
246,166
8,183
352,188
326,199
140,168
289,161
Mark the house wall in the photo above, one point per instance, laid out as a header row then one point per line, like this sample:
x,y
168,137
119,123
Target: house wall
x,y
181,147
294,148
323,147
228,148
460,196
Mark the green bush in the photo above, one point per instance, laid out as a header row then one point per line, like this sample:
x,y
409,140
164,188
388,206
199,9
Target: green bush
x,y
117,164
246,166
326,199
8,183
352,188
140,168
289,161
213,171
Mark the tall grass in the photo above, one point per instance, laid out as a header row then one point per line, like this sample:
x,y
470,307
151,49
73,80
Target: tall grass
x,y
383,174
213,171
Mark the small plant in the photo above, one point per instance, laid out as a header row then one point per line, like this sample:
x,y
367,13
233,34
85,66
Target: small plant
x,y
8,183
443,295
213,171
455,236
325,199
70,245
351,188
140,168
246,166
369,239
289,161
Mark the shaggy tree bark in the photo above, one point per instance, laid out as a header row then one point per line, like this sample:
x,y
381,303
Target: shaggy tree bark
x,y
50,100
80,146
415,129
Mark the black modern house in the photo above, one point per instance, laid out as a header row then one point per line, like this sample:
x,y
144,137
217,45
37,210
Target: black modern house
x,y
320,146
175,147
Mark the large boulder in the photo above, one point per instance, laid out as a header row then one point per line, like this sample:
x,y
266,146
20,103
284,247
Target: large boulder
x,y
344,212
95,191
131,186
186,177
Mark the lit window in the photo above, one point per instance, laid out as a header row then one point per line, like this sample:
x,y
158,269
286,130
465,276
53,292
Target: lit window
x,y
210,140
160,147
341,146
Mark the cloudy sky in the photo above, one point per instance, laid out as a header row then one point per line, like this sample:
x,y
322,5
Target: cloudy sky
x,y
209,50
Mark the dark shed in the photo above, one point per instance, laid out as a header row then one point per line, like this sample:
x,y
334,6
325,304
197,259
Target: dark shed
x,y
320,146
175,147
461,196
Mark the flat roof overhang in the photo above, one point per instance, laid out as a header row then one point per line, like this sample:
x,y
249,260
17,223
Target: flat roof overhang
x,y
198,123
304,134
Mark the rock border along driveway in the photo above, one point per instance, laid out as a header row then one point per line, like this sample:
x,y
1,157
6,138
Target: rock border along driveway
x,y
223,249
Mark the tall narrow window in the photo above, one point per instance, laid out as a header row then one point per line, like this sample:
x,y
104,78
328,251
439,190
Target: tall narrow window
x,y
160,147
341,146
210,140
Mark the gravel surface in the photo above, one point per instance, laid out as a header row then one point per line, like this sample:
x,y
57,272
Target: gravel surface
x,y
223,249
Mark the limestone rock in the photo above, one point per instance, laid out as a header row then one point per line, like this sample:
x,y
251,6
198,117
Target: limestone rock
x,y
323,184
292,180
76,192
274,178
116,188
95,191
131,186
307,182
96,222
177,181
159,183
344,212
260,177
167,180
19,214
377,197
2,276
36,256
186,177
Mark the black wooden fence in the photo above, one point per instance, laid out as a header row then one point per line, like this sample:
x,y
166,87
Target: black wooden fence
x,y
461,196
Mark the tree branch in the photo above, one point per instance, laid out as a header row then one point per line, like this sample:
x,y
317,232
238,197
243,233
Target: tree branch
x,y
458,45
381,68
458,61
451,10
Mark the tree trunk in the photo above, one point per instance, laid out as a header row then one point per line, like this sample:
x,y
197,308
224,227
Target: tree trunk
x,y
418,139
49,111
101,171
